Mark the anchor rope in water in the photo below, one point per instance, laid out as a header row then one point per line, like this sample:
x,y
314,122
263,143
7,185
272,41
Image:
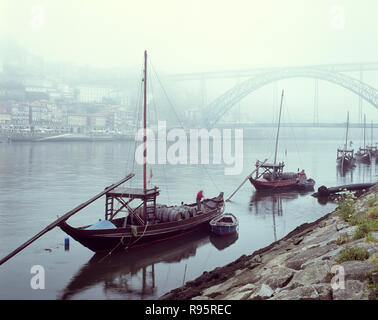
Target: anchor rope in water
x,y
121,242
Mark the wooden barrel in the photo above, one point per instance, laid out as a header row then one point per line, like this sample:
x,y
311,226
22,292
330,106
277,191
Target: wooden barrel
x,y
175,215
288,175
165,215
184,212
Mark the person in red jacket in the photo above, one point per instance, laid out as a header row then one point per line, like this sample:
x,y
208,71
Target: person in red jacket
x,y
199,197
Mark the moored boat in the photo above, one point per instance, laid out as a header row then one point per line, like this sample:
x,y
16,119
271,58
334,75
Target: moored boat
x,y
224,224
133,231
345,157
147,222
271,176
372,149
363,154
307,184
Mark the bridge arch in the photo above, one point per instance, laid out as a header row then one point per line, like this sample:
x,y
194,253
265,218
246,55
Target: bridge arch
x,y
218,107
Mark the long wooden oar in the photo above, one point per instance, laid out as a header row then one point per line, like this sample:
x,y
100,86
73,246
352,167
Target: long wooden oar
x,y
250,175
65,217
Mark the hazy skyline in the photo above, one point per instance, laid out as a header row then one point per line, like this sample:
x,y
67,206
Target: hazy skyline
x,y
210,35
189,36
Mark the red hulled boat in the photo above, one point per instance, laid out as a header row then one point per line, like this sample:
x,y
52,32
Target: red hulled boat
x,y
271,176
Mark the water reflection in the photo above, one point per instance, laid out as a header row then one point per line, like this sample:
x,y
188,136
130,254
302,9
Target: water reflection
x,y
132,274
361,172
67,172
344,174
270,202
222,242
365,172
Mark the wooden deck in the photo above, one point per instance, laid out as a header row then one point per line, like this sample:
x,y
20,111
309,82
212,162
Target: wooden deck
x,y
134,192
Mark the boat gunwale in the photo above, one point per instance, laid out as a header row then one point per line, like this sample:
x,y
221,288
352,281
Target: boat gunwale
x,y
149,229
216,221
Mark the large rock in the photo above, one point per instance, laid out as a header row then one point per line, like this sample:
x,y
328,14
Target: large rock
x,y
201,298
353,290
276,277
220,288
361,243
299,293
297,260
312,274
356,270
324,291
239,293
348,232
321,236
265,292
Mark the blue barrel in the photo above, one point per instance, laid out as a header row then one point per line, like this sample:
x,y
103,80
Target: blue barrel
x,y
66,243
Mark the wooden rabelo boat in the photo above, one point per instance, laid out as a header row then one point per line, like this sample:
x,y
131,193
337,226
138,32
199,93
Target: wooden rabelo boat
x,y
345,157
364,154
270,176
146,223
372,149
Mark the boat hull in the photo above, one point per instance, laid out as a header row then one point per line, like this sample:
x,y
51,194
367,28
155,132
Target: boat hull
x,y
137,236
306,184
223,230
346,163
263,184
224,225
365,158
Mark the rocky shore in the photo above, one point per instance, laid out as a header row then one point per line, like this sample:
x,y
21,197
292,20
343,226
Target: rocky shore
x,y
305,264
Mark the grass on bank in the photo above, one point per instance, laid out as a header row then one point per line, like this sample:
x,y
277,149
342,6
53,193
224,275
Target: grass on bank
x,y
366,221
354,253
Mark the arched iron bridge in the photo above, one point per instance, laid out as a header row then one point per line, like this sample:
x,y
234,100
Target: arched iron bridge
x,y
217,108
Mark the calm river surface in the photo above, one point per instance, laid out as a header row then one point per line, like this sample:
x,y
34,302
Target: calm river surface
x,y
39,181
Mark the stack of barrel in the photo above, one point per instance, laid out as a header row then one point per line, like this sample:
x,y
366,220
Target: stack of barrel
x,y
176,213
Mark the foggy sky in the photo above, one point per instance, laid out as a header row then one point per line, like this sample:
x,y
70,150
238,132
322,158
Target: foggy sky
x,y
209,35
195,35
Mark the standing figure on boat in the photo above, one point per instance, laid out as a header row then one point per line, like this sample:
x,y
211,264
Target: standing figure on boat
x,y
199,198
302,176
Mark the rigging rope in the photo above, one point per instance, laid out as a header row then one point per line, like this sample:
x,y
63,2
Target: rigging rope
x,y
156,119
166,95
295,140
127,246
179,120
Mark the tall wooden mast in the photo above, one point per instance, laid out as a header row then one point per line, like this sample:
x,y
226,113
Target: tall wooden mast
x,y
145,124
346,136
364,132
145,135
278,130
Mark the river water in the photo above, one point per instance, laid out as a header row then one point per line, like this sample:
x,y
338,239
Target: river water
x,y
42,180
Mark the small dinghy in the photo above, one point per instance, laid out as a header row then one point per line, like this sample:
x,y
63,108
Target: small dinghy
x,y
224,224
307,184
304,183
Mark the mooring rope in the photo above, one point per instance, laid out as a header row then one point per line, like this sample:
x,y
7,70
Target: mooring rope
x,y
121,242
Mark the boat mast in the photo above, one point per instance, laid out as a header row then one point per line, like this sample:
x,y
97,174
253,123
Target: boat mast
x,y
145,124
346,136
278,130
371,134
145,135
364,131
